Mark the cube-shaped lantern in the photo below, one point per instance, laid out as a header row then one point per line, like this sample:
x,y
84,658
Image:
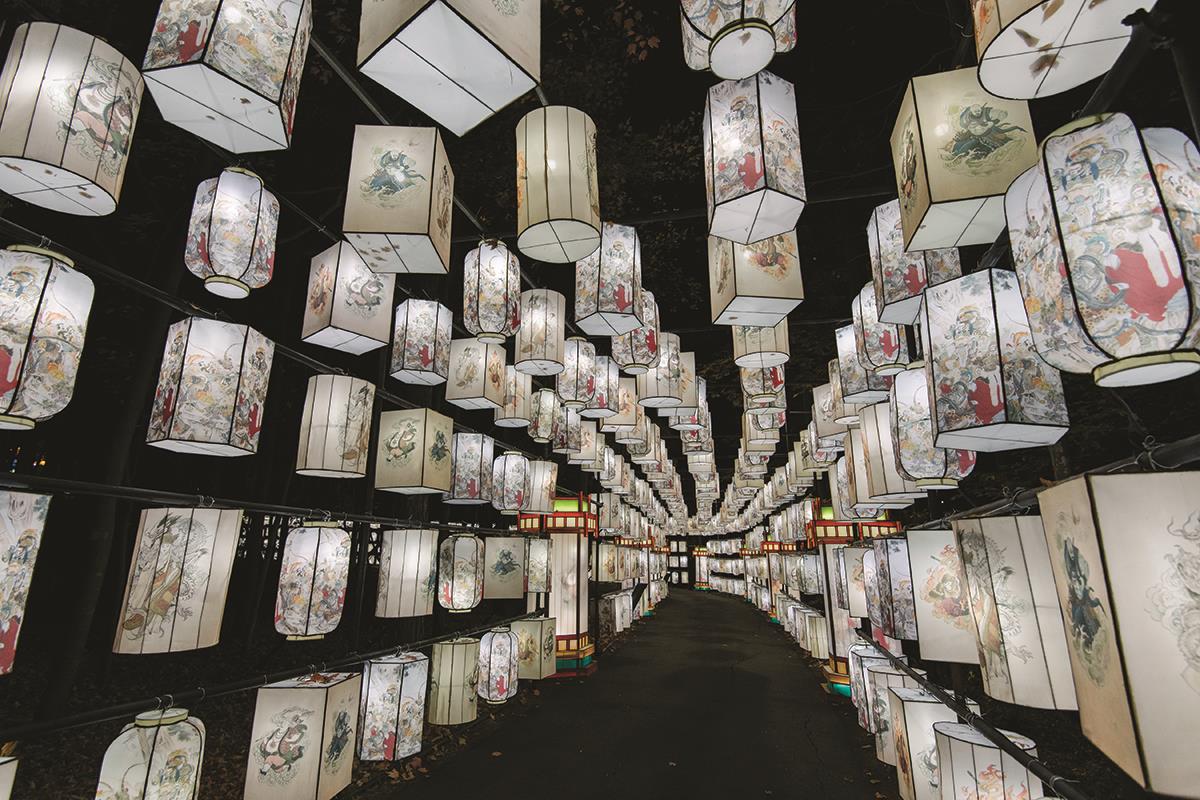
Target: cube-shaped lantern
x,y
576,384
313,573
754,284
407,573
540,344
899,277
558,199
535,647
917,458
608,284
971,765
516,411
499,665
945,627
23,516
504,567
391,716
347,306
755,346
476,378
882,346
413,455
460,572
736,40
491,292
421,342
335,427
161,751
510,483
471,465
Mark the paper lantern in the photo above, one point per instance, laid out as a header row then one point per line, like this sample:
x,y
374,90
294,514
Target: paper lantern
x,y
540,346
880,678
753,175
231,234
991,391
516,412
945,627
882,347
858,384
914,713
510,483
754,284
454,678
537,567
421,342
955,150
608,284
407,574
543,484
841,413
413,456
159,754
459,62
606,380
970,765
895,582
504,567
826,433
637,351
900,277
22,519
885,484
862,657
764,388
178,578
347,305
44,307
917,459
545,407
576,383
499,666
460,572
69,105
302,738
535,648
1104,245
1022,645
1038,48
314,571
471,465
662,386
335,427
391,715
760,347
1123,549
851,563
212,388
229,72
476,378
491,292
736,40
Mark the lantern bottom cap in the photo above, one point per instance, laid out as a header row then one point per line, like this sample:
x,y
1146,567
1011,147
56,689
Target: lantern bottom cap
x,y
511,422
889,369
495,702
574,403
1138,370
419,377
490,338
156,718
937,483
55,187
762,360
459,610
41,251
559,241
223,286
292,637
465,501
538,366
8,422
315,472
634,369
742,49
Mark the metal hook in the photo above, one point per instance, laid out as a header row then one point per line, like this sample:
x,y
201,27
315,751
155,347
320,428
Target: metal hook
x,y
207,501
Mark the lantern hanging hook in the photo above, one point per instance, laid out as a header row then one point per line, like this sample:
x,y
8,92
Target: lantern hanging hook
x,y
169,700
1149,445
207,501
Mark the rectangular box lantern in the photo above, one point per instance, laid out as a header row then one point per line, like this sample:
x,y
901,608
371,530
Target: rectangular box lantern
x,y
347,306
477,378
754,284
414,452
945,628
535,647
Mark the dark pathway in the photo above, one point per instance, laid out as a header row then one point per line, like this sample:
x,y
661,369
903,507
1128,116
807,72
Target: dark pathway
x,y
706,700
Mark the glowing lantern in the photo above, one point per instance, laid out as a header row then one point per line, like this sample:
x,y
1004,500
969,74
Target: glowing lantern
x,y
991,390
736,40
558,200
335,427
880,678
567,433
460,572
884,481
510,483
914,713
894,581
471,469
504,567
231,235
586,455
899,277
346,306
1106,255
22,518
662,386
608,284
882,347
391,715
540,338
859,385
312,580
178,578
476,375
541,422
499,666
44,307
535,647
945,628
637,351
399,199
577,382
826,433
863,656
543,483
606,379
842,413
491,292
212,388
454,678
159,754
413,456
755,347
421,342
537,572
407,575
515,413
754,284
763,385
970,765
917,459
68,106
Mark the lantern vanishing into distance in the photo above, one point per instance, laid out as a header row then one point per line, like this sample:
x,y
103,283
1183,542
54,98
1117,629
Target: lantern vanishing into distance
x,y
510,483
1106,254
460,572
637,351
970,765
759,347
178,578
606,379
608,284
755,284
459,62
312,580
407,573
736,40
335,427
914,713
535,644
472,469
539,349
391,715
558,199
231,234
882,347
22,519
159,754
421,343
576,384
516,411
68,106
917,458
453,680
229,71
399,199
347,306
955,149
212,388
491,292
499,667
44,308
413,455
476,378
899,277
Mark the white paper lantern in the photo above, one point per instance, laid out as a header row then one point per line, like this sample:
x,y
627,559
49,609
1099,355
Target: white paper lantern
x,y
231,234
736,40
313,574
516,411
510,483
391,716
859,385
826,432
608,284
843,414
885,483
535,648
970,765
159,754
460,572
882,347
880,678
538,576
471,463
68,106
335,427
900,277
421,342
662,386
8,775
499,667
917,459
22,519
637,351
759,347
945,627
545,407
914,713
212,389
347,306
491,292
407,573
763,387
607,381
413,455
567,433
540,345
576,384
504,567
476,378
754,284
454,678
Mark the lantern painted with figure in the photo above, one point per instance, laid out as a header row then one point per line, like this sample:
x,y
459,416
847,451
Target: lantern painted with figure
x,y
476,378
510,483
842,413
759,347
608,284
736,40
229,72
754,284
914,713
537,568
460,572
970,765
763,387
637,351
606,379
576,383
346,306
516,411
504,567
492,292
540,344
825,432
662,387
880,678
471,465
859,385
302,737
391,714
991,390
567,433
558,199
312,580
413,455
421,342
945,627
894,581
192,549
535,648
407,573
44,307
885,484
543,483
68,106
399,199
335,427
955,150
917,459
545,407
1107,257
499,666
899,277
159,754
231,235
454,678
23,517
882,347
212,388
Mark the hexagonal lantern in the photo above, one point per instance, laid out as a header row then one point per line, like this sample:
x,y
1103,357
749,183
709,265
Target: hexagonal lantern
x,y
608,284
899,277
347,306
421,342
607,380
637,351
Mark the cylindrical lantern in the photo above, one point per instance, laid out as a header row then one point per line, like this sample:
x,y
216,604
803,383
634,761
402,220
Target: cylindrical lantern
x,y
917,459
608,284
413,454
312,580
229,72
399,199
637,350
421,342
22,517
407,573
68,106
212,388
880,678
882,347
476,375
970,765
460,572
567,433
899,277
558,199
510,483
545,407
454,678
498,665
391,715
755,347
662,387
576,384
543,487
44,307
885,484
991,390
1106,254
763,387
472,469
159,754
539,349
535,648
178,578
231,235
516,412
492,292
753,173
945,627
825,432
914,713
894,584
842,413
606,379
736,40
347,306
858,384
335,427
754,284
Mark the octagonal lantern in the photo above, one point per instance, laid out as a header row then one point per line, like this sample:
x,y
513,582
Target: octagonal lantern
x,y
23,517
899,277
755,346
662,386
159,754
68,105
608,284
476,378
516,411
545,407
576,384
882,347
471,465
391,716
313,573
971,765
421,342
754,284
636,351
407,573
335,427
917,458
558,199
231,234
736,40
606,380
510,483
492,292
540,344
413,454
859,385
499,666
460,572
347,306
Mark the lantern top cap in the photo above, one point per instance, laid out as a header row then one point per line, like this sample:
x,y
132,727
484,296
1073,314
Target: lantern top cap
x,y
244,171
41,251
500,629
159,717
577,339
1075,125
